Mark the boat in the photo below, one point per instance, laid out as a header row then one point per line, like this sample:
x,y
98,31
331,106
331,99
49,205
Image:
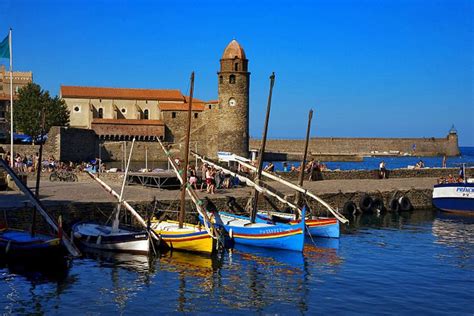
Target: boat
x,y
91,235
21,244
30,245
178,235
327,227
455,197
243,231
102,237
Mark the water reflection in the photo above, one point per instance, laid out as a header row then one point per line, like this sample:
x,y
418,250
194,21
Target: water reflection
x,y
457,232
43,282
128,274
395,220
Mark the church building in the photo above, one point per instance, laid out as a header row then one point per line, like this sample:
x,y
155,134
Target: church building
x,y
124,113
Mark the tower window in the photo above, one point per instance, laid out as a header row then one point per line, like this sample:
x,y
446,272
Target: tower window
x,y
236,67
232,79
145,114
123,110
210,106
101,113
173,114
221,79
77,109
195,115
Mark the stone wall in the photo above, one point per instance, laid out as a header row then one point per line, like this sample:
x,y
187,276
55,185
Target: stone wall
x,y
424,146
373,174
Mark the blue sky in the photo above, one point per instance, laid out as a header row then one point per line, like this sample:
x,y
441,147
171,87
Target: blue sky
x,y
368,68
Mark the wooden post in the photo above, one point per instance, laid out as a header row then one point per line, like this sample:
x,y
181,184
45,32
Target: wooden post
x,y
262,150
303,162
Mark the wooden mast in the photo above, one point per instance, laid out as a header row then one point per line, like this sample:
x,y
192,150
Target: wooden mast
x,y
303,162
186,156
262,150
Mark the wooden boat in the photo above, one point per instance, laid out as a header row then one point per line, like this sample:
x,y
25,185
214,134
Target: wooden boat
x,y
327,227
258,234
178,235
16,244
193,238
113,237
102,237
29,244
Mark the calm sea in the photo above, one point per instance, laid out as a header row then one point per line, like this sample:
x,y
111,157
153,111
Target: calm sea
x,y
415,264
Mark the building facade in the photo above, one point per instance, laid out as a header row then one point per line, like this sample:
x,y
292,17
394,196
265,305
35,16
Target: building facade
x,y
122,113
20,79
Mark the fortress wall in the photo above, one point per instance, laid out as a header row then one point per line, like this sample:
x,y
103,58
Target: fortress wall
x,y
424,146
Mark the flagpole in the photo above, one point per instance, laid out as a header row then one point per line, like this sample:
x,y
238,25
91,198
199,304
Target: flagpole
x,y
11,98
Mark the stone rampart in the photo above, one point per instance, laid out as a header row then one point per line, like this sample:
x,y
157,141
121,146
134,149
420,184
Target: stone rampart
x,y
365,146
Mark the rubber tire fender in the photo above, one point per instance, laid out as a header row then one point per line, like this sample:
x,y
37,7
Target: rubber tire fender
x,y
377,204
365,203
405,204
349,208
394,205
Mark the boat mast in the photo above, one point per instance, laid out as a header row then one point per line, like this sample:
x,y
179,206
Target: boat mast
x,y
38,172
262,150
303,162
186,156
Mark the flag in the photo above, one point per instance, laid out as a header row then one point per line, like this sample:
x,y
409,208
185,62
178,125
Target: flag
x,y
5,48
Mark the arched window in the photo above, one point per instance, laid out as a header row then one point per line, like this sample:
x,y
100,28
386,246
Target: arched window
x,y
145,114
236,66
101,113
221,79
232,79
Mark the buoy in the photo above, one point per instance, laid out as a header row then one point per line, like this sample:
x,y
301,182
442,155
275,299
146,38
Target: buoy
x,y
349,208
405,204
377,205
394,205
365,203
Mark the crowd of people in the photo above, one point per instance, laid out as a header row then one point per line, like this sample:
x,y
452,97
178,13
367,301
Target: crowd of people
x,y
30,163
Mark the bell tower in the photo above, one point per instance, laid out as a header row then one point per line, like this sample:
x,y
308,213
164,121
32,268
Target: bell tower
x,y
233,94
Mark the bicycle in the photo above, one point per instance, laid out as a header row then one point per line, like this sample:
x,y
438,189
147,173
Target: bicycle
x,y
66,176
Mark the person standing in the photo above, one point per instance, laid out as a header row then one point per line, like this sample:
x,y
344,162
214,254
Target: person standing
x,y
382,170
443,163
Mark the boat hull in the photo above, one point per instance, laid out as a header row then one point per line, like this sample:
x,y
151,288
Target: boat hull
x,y
454,197
190,238
94,236
278,236
315,227
19,244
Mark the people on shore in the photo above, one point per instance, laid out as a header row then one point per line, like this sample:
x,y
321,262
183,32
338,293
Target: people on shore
x,y
382,170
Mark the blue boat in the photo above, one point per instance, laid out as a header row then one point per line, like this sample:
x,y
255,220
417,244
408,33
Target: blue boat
x,y
454,197
20,244
241,230
327,227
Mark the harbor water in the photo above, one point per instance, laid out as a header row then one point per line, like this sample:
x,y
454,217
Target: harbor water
x,y
410,264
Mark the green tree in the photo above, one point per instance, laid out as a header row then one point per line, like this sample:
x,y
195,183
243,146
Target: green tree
x,y
27,110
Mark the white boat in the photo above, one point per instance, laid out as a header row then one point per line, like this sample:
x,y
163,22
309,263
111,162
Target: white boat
x,y
455,196
113,237
102,237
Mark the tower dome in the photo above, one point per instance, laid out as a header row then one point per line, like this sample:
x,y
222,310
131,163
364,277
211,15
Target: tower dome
x,y
233,50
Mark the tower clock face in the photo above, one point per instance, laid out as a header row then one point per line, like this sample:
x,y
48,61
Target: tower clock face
x,y
232,102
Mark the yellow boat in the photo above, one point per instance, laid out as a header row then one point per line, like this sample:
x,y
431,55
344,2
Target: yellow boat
x,y
193,238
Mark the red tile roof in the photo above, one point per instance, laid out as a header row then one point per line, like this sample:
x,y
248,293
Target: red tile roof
x,y
120,93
